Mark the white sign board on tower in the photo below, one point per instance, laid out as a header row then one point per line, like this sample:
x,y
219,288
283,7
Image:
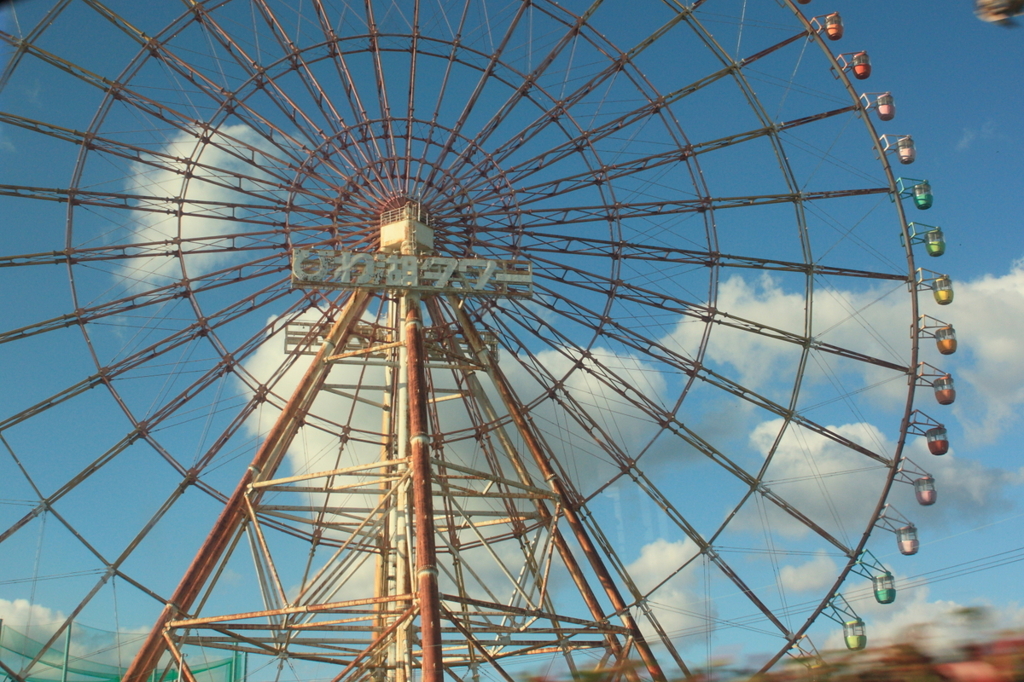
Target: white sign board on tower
x,y
329,269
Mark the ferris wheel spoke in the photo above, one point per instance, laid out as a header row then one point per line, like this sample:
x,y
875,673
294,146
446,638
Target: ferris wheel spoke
x,y
545,330
143,430
692,438
151,249
154,297
598,176
318,94
54,400
243,306
199,329
156,419
557,391
209,174
167,248
442,89
182,121
242,414
349,87
529,82
632,395
658,301
532,219
410,103
536,369
666,640
583,246
47,503
253,69
748,592
14,59
209,209
630,337
660,415
247,113
661,302
589,136
382,89
112,568
605,174
471,102
641,599
653,493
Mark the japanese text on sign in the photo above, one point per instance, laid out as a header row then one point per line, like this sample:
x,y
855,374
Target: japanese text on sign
x,y
323,269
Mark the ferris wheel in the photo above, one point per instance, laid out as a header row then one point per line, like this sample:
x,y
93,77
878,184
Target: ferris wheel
x,y
407,340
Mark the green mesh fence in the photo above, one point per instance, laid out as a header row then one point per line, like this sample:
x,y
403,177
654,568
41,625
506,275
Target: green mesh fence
x,y
94,655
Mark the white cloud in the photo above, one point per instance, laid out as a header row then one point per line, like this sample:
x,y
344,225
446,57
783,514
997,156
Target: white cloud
x,y
757,358
812,576
677,604
867,321
837,488
39,623
969,135
989,320
821,478
988,314
21,614
205,185
966,139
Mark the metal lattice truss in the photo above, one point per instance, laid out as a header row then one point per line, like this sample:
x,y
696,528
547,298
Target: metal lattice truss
x,y
497,531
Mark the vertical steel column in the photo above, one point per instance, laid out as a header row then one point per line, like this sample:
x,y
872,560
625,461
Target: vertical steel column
x,y
396,567
263,466
401,544
67,653
432,669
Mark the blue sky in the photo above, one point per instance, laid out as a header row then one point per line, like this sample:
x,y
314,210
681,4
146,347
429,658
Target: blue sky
x,y
956,83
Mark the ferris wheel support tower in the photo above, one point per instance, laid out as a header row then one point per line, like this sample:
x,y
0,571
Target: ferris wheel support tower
x,y
406,272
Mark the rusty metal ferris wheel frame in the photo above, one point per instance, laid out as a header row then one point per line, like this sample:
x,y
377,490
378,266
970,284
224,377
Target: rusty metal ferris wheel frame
x,y
616,369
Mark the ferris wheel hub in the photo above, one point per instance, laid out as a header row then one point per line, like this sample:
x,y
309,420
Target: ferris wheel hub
x,y
406,230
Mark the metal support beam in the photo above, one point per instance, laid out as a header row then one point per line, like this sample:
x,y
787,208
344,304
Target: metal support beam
x,y
537,450
263,466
